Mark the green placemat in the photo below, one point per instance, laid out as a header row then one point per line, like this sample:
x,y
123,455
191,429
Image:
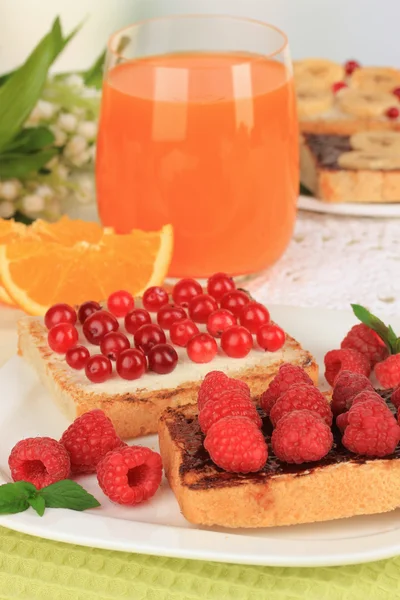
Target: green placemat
x,y
36,569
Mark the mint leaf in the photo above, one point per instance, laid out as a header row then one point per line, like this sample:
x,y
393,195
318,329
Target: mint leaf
x,y
385,333
14,497
38,504
19,165
31,140
68,494
93,77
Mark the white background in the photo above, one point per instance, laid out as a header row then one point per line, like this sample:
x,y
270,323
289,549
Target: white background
x,y
368,30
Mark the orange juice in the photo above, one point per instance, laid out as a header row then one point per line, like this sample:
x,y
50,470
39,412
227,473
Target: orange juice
x,y
209,143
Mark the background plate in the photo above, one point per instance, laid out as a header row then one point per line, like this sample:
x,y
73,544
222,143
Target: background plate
x,y
349,209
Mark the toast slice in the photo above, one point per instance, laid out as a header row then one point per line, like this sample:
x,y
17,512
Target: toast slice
x,y
135,406
340,485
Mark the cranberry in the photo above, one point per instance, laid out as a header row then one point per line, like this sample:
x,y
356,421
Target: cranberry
x,y
168,314
120,303
270,337
396,92
97,325
237,341
181,332
86,309
219,284
254,315
59,313
62,337
202,348
136,318
154,298
163,359
339,85
148,336
77,357
185,290
98,368
113,344
350,66
392,113
234,301
219,320
201,307
131,364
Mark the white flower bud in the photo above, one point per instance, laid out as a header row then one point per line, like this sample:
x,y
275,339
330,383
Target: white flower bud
x,y
85,191
75,81
88,129
67,122
7,210
52,164
10,189
32,203
92,151
81,159
43,111
62,171
60,137
44,191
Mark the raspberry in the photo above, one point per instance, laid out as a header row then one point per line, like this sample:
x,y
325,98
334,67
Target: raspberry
x,y
363,339
130,475
388,371
301,396
301,436
236,445
232,403
40,461
347,385
395,398
287,375
88,439
212,388
345,359
342,421
372,430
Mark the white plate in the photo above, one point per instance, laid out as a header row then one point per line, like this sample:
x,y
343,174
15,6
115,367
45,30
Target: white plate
x,y
158,527
349,208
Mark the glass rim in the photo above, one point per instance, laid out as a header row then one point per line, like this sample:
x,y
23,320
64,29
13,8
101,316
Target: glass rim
x,y
264,24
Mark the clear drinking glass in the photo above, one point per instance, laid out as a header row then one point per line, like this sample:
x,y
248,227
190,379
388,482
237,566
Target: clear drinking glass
x,y
198,128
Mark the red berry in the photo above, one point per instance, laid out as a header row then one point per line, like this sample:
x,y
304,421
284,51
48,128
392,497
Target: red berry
x,y
396,92
301,396
350,66
236,444
347,386
301,436
113,343
148,336
98,368
345,359
98,324
219,284
77,357
287,376
136,318
201,307
253,315
342,421
88,439
210,380
86,309
202,348
39,460
388,371
220,320
120,303
392,113
231,403
236,341
168,314
154,298
271,337
131,363
365,340
130,475
338,85
372,430
62,337
59,313
181,332
235,301
212,390
185,290
367,395
163,359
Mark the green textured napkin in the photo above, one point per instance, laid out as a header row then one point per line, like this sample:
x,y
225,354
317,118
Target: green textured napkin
x,y
36,569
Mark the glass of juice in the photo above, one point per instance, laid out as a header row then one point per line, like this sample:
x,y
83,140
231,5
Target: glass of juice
x,y
198,128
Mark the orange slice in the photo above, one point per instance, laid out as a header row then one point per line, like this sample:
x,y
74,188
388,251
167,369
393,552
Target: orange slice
x,y
9,231
68,231
38,273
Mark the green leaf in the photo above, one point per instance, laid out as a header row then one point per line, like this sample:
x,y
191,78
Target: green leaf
x,y
14,497
38,504
5,76
31,139
68,494
19,164
386,334
93,77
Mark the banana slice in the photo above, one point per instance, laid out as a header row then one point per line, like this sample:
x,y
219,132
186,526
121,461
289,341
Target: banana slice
x,y
375,79
382,142
360,103
311,101
317,73
369,160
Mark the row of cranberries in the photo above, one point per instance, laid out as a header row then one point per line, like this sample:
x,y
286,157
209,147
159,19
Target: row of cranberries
x,y
228,313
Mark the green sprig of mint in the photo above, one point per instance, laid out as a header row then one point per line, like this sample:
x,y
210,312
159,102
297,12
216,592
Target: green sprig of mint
x,y
385,332
17,497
